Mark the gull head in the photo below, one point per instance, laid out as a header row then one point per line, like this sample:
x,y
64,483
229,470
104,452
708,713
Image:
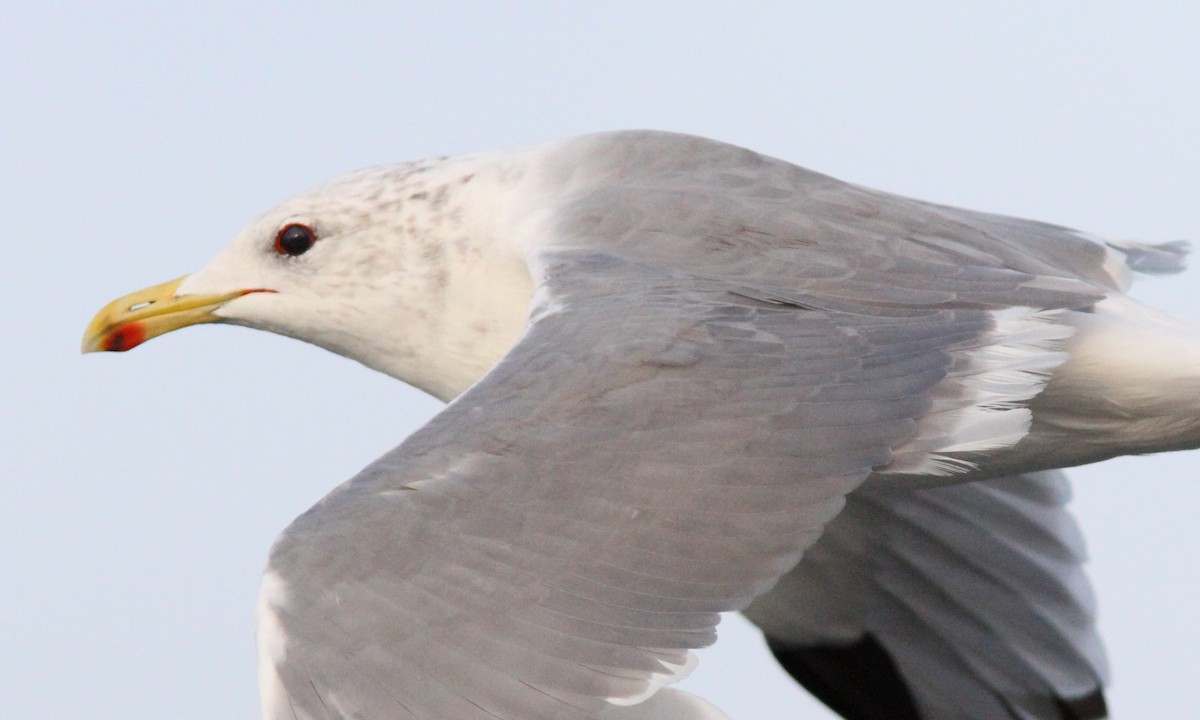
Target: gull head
x,y
410,269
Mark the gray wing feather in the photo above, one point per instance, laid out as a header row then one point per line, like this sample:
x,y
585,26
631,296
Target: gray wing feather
x,y
720,211
976,591
724,346
582,515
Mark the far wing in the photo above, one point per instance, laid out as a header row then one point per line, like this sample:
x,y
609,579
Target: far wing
x,y
967,601
657,449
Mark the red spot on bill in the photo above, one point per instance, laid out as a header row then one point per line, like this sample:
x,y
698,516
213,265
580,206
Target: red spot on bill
x,y
125,337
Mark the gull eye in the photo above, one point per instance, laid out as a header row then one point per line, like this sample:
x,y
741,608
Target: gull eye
x,y
295,239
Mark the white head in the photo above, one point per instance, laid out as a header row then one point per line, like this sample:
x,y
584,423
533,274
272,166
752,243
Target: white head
x,y
410,269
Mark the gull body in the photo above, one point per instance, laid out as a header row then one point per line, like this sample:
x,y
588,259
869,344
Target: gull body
x,y
675,367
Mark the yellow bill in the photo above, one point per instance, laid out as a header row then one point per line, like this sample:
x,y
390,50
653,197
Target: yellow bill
x,y
129,321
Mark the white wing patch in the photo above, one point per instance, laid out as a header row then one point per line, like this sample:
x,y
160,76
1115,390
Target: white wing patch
x,y
671,673
668,704
981,404
272,648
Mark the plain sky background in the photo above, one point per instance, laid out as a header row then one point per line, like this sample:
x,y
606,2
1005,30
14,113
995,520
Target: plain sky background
x,y
140,492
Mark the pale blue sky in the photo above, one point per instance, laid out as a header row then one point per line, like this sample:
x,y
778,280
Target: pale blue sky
x,y
140,492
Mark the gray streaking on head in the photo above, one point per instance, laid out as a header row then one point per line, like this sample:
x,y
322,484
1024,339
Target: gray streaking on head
x,y
674,367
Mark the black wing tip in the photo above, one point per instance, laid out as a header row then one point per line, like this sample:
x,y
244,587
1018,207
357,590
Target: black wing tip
x,y
857,680
1089,707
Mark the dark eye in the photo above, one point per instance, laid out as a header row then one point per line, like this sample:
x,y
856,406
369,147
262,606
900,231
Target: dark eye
x,y
294,240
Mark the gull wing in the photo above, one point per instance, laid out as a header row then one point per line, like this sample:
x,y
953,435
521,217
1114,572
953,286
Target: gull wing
x,y
966,601
657,449
721,347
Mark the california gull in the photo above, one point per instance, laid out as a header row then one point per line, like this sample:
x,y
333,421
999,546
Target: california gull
x,y
673,366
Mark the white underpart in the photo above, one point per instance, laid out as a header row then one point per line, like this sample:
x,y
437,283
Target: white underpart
x,y
1148,363
980,405
671,673
1123,338
272,647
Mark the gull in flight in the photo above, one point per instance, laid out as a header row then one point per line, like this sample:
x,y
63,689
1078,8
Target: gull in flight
x,y
682,379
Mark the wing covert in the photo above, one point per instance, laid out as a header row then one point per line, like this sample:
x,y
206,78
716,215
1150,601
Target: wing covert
x,y
656,450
